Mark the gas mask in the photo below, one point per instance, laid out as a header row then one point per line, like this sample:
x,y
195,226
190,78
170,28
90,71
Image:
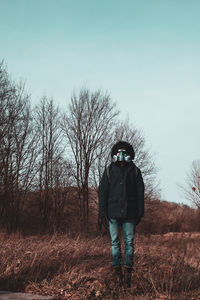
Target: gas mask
x,y
121,156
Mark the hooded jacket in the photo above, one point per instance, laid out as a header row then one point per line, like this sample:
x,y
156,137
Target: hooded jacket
x,y
121,189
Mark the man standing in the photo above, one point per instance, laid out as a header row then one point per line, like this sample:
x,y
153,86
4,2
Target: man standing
x,y
121,202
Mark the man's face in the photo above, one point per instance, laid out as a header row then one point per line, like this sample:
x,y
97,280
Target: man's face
x,y
121,155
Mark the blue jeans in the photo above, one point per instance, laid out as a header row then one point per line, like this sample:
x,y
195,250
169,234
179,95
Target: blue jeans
x,y
128,235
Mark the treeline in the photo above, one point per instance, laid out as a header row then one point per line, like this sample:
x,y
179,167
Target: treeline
x,y
162,217
45,150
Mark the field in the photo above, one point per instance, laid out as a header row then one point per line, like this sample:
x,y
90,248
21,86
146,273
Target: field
x,y
78,266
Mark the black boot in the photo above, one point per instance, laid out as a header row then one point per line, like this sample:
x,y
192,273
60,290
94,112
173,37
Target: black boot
x,y
127,277
117,276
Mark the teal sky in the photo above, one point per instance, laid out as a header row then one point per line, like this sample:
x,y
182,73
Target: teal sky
x,y
145,53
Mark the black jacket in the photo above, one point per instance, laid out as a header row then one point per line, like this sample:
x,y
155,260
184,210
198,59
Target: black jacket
x,y
121,192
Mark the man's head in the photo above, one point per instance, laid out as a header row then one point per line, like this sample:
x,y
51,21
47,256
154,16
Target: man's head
x,y
122,152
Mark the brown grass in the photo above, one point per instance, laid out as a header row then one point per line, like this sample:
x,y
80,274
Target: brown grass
x,y
79,266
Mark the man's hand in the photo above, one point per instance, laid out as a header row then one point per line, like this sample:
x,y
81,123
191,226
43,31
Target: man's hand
x,y
137,221
105,220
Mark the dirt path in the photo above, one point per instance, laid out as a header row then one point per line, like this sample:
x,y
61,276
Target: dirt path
x,y
5,295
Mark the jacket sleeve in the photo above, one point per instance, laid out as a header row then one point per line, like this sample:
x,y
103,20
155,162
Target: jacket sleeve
x,y
103,194
140,193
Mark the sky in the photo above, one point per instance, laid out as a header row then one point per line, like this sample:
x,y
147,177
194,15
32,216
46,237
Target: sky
x,y
144,53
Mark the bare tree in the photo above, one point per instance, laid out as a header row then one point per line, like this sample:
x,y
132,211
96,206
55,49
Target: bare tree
x,y
191,189
124,130
102,160
53,169
143,157
86,126
62,174
17,151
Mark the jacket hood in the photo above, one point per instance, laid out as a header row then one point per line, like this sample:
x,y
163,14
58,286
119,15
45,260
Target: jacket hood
x,y
125,145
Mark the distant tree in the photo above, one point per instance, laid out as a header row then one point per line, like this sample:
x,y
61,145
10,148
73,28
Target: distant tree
x,y
87,125
124,130
143,157
63,179
17,149
103,158
191,189
53,170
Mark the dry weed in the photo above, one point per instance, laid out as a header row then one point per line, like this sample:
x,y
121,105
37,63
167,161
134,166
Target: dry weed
x,y
79,267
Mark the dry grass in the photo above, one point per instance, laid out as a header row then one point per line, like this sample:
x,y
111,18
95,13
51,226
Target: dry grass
x,y
79,267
